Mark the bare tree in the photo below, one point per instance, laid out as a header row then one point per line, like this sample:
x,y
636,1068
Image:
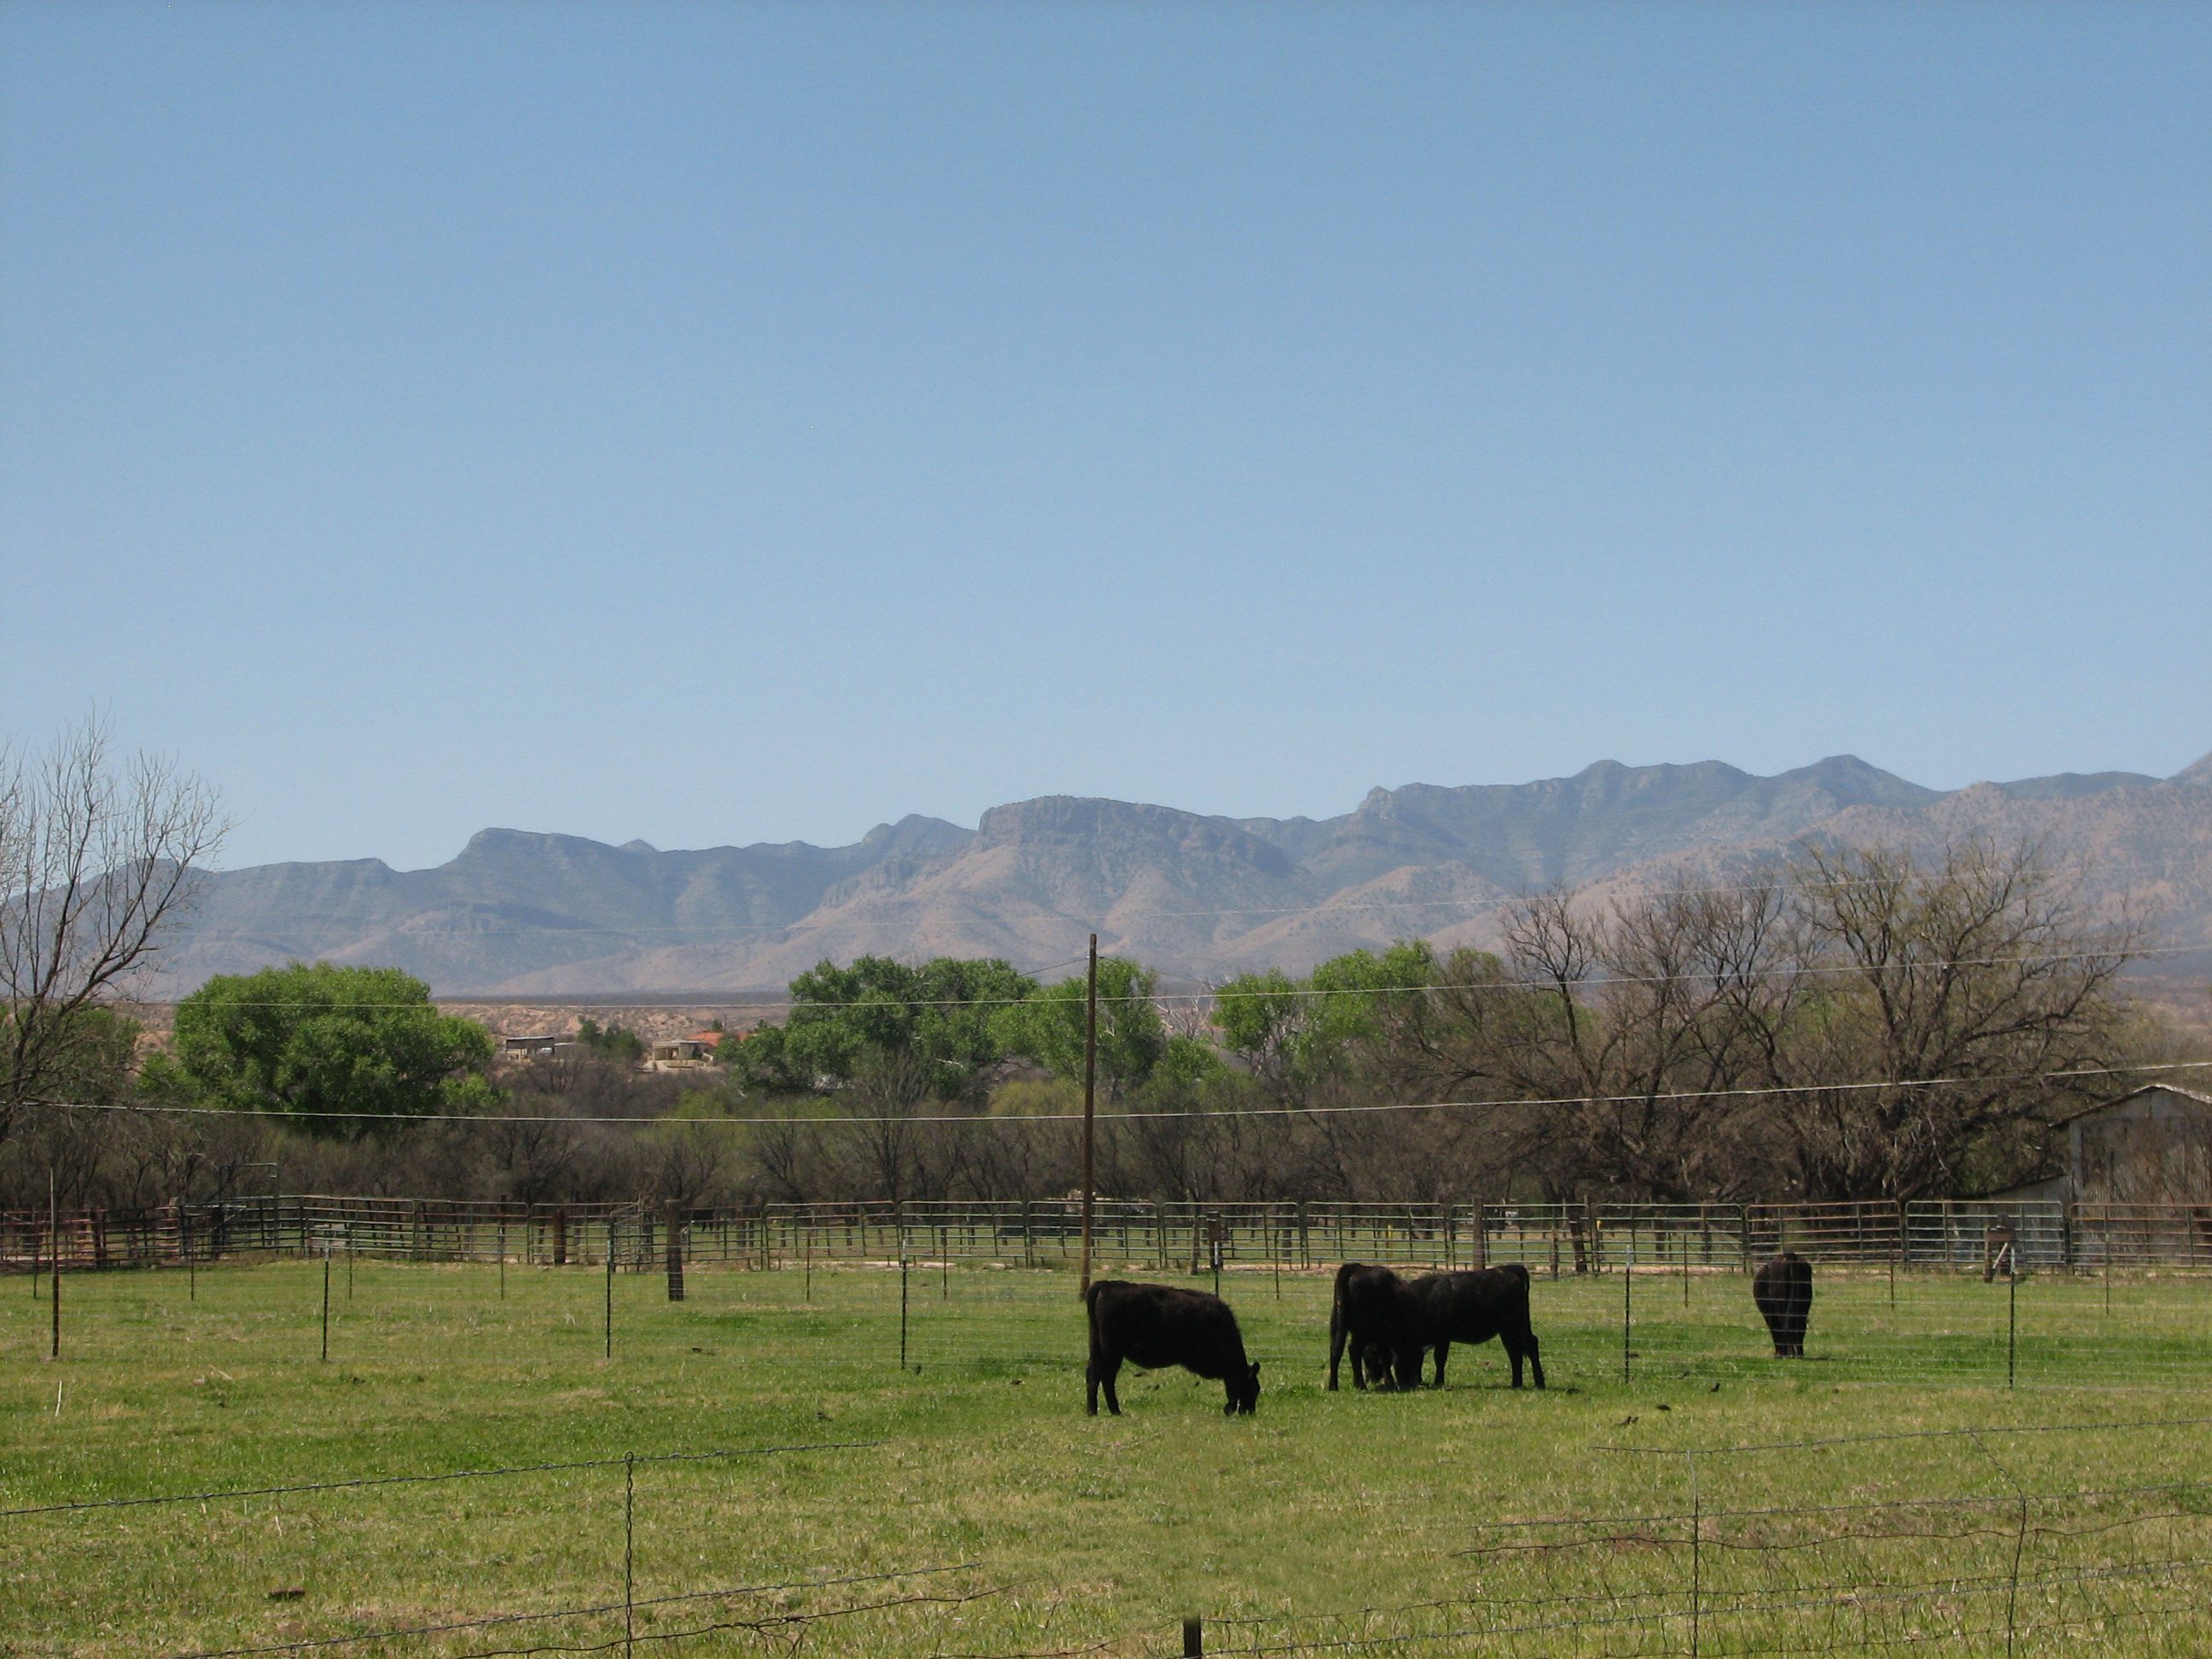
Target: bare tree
x,y
1963,987
1608,1038
903,1157
97,860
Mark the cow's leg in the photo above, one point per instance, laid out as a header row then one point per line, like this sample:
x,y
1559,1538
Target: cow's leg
x,y
1536,1363
1443,1352
1107,1370
1336,1352
1090,1388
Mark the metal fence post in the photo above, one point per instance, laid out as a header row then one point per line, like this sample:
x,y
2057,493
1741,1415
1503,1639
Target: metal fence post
x,y
674,1219
1697,1554
629,1550
1627,1313
2012,1325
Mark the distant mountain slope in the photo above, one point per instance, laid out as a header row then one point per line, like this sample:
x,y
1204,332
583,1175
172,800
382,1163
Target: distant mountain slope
x,y
545,914
513,904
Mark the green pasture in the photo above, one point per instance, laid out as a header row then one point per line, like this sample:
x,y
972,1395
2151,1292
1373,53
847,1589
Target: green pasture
x,y
970,1507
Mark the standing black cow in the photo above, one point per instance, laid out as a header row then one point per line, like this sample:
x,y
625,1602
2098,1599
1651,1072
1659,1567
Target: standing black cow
x,y
1473,1306
1154,1326
1783,1288
1377,1314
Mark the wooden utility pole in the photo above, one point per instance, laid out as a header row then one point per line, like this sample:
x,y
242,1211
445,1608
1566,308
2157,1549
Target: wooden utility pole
x,y
1090,1104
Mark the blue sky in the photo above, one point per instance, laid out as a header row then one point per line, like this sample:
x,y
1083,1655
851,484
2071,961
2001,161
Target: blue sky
x,y
727,423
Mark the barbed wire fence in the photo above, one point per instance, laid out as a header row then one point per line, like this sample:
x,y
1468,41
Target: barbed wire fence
x,y
2014,1571
624,1617
2009,1568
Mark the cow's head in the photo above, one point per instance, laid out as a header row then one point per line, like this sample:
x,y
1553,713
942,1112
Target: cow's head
x,y
1245,1394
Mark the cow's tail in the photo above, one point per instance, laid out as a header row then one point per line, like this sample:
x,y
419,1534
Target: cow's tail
x,y
1091,1314
1336,1307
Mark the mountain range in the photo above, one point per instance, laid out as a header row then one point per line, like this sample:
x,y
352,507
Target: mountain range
x,y
526,915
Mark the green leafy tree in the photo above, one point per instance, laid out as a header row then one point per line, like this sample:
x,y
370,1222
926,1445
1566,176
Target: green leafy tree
x,y
314,1041
1132,1039
843,1020
1293,1032
612,1042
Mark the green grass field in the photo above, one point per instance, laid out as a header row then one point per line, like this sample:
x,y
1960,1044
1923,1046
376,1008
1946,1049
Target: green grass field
x,y
1345,1523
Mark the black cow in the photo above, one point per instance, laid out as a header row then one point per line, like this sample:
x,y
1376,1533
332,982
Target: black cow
x,y
1154,1326
1473,1306
1377,1313
1783,1288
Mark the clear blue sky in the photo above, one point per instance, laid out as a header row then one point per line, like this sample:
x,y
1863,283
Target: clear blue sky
x,y
715,423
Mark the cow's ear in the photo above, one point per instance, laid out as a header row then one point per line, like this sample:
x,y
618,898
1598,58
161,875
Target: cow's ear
x,y
1255,1368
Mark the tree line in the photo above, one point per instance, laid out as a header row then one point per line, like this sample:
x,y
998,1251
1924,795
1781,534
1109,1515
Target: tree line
x,y
1862,1022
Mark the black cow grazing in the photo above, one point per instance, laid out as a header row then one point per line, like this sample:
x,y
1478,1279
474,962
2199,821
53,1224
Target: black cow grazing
x,y
1155,1326
1474,1306
1377,1313
1783,1288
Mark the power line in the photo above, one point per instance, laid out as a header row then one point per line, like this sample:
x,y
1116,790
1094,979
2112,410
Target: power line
x,y
1653,1098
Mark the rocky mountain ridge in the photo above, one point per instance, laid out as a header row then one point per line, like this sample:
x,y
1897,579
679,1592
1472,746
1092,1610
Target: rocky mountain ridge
x,y
519,914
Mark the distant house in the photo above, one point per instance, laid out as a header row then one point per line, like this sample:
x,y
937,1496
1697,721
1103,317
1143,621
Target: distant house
x,y
2151,1145
532,1048
680,1054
